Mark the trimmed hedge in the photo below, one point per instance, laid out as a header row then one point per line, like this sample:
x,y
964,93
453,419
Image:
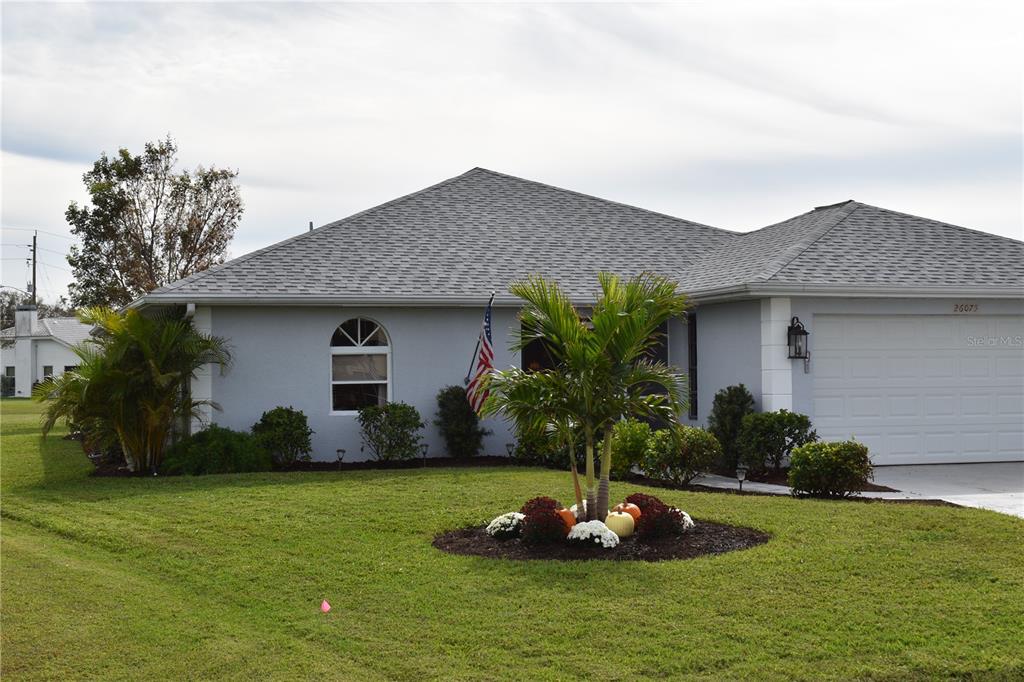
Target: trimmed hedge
x,y
829,469
216,450
678,454
391,431
767,438
284,432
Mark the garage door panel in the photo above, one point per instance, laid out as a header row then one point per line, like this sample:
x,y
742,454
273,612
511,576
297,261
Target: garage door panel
x,y
1010,441
940,443
920,389
902,366
1010,404
976,367
904,405
976,442
976,405
939,406
1009,367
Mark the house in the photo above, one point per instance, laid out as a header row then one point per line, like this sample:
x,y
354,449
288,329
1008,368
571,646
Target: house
x,y
914,326
34,349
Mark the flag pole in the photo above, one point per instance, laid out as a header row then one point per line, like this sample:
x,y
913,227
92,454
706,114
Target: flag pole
x,y
472,360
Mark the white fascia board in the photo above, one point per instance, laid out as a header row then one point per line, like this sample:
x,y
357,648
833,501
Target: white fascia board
x,y
763,290
354,301
738,292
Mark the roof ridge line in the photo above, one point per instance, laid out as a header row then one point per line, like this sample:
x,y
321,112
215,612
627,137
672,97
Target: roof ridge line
x,y
845,210
195,277
603,200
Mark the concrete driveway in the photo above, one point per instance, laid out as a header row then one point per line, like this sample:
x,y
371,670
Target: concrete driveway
x,y
998,486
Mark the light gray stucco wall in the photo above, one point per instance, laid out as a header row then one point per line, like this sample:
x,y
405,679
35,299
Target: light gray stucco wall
x,y
807,308
728,351
282,357
678,355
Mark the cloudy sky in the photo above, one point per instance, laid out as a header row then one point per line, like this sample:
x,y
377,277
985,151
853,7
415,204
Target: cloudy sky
x,y
733,114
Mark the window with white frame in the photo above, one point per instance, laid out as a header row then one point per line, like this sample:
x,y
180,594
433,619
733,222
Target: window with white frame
x,y
360,365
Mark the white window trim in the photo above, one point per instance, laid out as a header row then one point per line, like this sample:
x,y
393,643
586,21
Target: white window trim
x,y
358,350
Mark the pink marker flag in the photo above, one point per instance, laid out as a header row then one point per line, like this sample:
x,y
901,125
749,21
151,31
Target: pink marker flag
x,y
324,606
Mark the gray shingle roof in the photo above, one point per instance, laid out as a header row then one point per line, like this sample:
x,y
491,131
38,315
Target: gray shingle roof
x,y
474,233
875,246
857,245
464,237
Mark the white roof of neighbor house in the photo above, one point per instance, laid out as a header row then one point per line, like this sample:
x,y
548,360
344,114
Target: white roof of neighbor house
x,y
66,329
461,239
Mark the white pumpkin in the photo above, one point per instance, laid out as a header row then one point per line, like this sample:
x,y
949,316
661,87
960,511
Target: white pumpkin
x,y
621,523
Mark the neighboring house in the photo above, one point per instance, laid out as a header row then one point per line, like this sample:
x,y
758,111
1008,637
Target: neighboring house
x,y
915,326
34,349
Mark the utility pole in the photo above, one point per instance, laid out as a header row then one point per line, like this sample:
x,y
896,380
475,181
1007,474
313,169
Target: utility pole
x,y
35,236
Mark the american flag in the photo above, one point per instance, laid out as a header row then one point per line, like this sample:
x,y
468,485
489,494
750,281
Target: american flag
x,y
476,391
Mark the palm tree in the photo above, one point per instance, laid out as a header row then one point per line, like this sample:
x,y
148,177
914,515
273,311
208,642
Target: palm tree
x,y
603,370
132,382
540,403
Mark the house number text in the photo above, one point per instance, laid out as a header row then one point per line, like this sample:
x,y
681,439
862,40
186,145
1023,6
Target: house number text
x,y
965,307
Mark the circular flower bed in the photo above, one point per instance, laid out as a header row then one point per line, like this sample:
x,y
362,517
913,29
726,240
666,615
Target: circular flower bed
x,y
545,530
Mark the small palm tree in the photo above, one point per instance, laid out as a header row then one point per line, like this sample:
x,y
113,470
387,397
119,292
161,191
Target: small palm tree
x,y
603,370
132,381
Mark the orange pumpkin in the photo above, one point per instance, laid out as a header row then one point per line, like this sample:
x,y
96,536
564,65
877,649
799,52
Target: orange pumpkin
x,y
568,518
629,508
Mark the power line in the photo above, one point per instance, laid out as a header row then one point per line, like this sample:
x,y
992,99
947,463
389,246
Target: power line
x,y
29,246
32,229
52,265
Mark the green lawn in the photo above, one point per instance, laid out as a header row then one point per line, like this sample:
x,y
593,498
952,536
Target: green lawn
x,y
223,575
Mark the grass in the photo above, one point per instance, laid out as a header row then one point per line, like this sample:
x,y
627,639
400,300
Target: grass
x,y
222,576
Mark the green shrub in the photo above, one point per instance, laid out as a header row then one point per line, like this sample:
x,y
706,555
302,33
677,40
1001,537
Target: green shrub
x,y
545,449
216,450
731,405
391,431
629,438
767,438
284,432
678,454
829,469
458,423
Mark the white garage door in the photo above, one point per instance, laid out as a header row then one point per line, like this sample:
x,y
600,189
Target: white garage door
x,y
921,389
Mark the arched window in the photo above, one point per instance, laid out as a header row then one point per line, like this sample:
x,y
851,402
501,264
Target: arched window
x,y
360,365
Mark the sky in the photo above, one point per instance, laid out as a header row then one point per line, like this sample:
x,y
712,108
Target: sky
x,y
733,114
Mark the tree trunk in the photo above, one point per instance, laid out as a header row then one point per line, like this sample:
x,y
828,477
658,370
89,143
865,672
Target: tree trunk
x,y
591,494
575,478
606,470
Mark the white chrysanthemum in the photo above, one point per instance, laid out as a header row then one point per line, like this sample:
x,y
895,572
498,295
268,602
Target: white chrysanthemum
x,y
506,525
594,531
687,521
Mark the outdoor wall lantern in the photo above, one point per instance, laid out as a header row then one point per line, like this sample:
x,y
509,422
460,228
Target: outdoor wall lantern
x,y
797,340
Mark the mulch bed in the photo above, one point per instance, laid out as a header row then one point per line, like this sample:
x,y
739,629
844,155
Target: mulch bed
x,y
104,469
419,463
706,538
782,478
